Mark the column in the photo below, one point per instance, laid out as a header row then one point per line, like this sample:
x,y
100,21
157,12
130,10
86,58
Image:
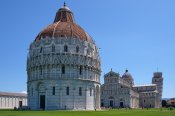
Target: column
x,y
60,98
74,98
0,102
5,102
70,71
46,99
86,90
94,100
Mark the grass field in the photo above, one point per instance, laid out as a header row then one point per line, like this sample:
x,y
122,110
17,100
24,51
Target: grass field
x,y
151,112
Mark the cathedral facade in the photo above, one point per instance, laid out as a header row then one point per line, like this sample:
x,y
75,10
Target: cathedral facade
x,y
63,67
120,91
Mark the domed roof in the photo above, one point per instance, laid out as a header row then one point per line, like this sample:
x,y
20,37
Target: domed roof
x,y
64,26
127,75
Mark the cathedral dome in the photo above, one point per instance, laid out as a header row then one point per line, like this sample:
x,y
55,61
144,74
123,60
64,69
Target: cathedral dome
x,y
128,77
64,26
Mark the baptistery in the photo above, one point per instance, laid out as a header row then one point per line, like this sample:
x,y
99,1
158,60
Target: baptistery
x,y
63,67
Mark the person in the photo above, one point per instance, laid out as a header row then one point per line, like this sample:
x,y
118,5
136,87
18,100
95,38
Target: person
x,y
15,108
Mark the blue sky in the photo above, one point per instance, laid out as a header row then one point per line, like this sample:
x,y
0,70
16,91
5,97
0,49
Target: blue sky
x,y
134,34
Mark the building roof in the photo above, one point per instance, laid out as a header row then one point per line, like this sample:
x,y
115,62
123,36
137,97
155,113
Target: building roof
x,y
112,74
171,102
127,75
144,85
157,74
155,91
13,94
64,26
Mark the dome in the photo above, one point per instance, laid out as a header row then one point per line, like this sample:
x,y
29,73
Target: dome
x,y
127,76
64,26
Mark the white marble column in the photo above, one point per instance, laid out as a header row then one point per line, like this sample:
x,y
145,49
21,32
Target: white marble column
x,y
0,102
46,99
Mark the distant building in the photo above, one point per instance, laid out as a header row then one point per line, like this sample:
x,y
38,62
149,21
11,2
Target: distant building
x,y
121,92
11,100
171,102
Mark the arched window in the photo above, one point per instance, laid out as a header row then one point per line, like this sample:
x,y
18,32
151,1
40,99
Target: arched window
x,y
65,48
64,16
80,91
40,70
90,77
77,49
53,90
53,48
80,72
88,52
63,69
32,91
67,90
90,91
41,50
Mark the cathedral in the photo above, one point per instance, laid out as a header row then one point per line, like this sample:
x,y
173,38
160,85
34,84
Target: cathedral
x,y
120,91
63,67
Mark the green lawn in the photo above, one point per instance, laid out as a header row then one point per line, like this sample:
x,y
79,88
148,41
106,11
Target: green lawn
x,y
150,112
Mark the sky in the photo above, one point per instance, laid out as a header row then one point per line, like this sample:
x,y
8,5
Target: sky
x,y
135,34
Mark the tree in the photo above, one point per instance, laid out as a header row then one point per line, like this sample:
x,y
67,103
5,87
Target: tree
x,y
164,103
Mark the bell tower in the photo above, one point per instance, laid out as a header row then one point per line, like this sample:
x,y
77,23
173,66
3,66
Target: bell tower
x,y
158,80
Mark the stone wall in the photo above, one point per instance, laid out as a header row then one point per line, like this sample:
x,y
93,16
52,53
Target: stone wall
x,y
60,100
60,63
9,102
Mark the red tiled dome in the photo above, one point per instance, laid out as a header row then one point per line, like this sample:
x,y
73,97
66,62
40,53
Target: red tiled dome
x,y
64,26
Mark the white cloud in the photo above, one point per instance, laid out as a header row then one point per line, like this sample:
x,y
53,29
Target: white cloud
x,y
24,92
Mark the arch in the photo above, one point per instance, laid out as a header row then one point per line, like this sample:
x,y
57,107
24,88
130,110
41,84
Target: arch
x,y
41,49
111,101
65,48
77,49
53,48
53,90
67,90
121,102
97,97
63,69
90,93
80,70
80,91
40,87
41,70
